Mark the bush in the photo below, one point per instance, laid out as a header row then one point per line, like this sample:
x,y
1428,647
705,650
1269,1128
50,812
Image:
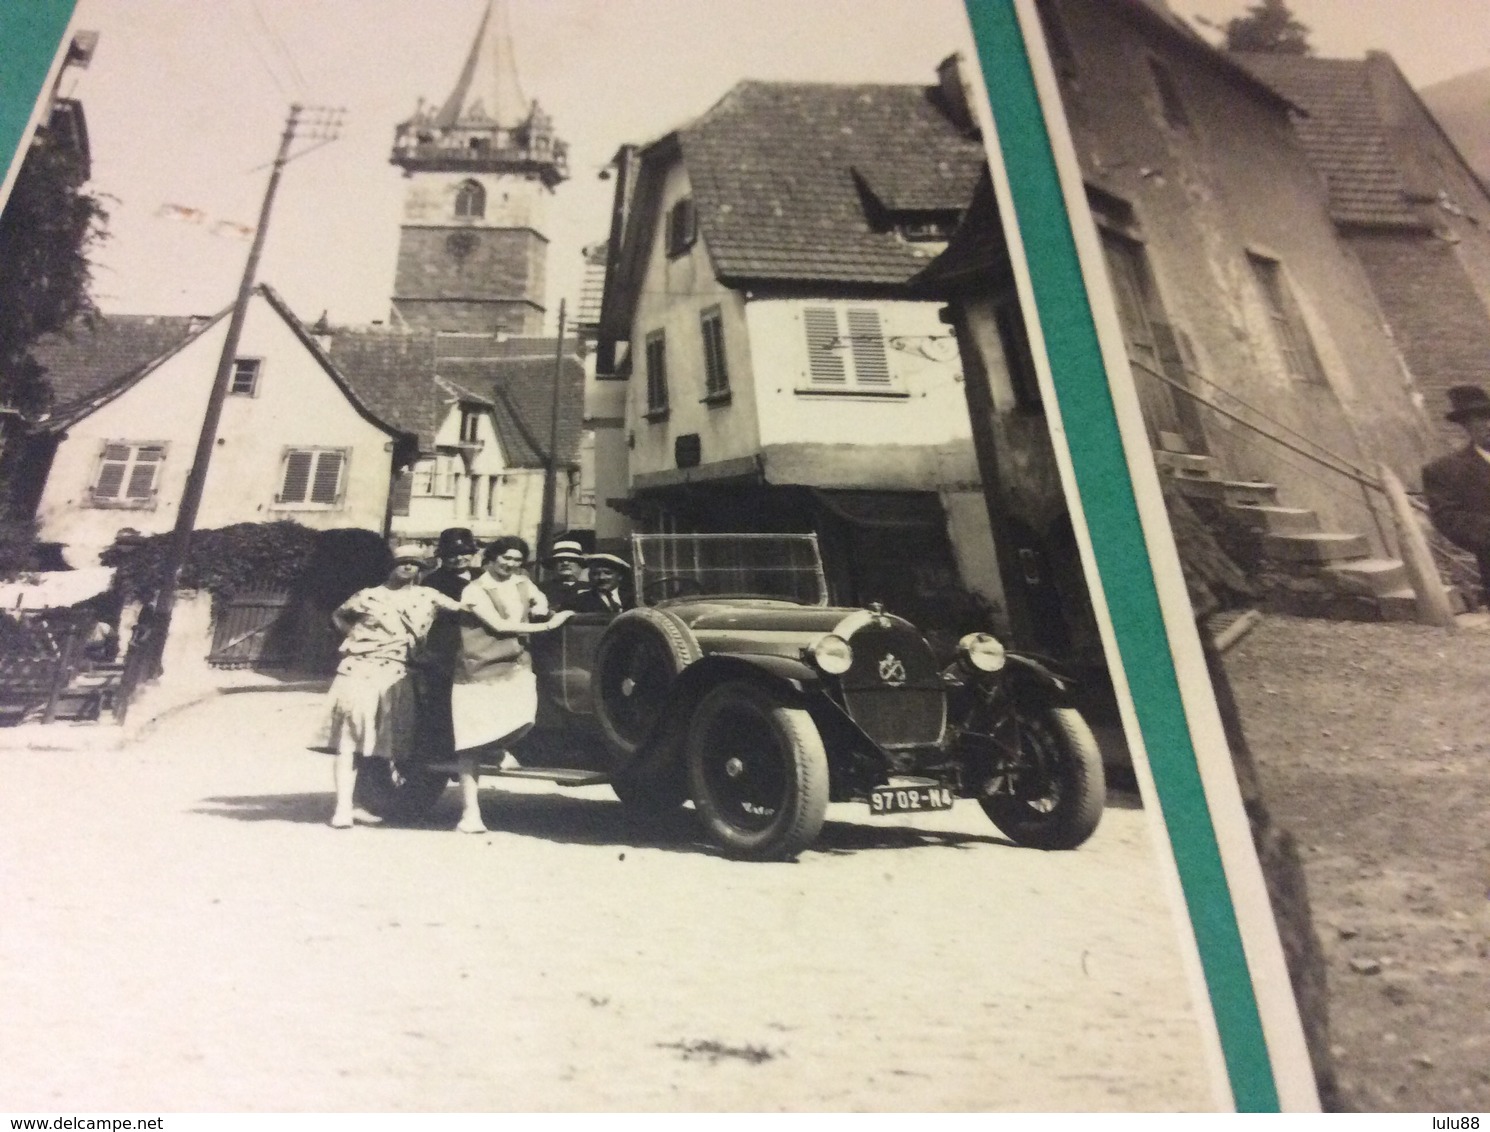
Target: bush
x,y
324,566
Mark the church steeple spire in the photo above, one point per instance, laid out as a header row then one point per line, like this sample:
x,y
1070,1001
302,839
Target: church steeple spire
x,y
481,169
487,90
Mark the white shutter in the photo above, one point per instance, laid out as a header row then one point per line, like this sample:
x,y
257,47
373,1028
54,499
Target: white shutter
x,y
142,474
824,361
111,471
867,344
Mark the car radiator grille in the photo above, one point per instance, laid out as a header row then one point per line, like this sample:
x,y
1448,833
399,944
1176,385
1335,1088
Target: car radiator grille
x,y
898,717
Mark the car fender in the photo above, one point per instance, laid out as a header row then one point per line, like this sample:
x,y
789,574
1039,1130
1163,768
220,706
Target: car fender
x,y
1027,672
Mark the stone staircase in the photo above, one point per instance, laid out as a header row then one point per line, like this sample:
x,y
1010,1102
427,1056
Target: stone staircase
x,y
1318,573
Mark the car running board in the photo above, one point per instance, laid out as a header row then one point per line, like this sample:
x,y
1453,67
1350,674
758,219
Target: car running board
x,y
560,776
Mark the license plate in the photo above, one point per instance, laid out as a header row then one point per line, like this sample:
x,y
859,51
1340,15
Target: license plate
x,y
894,799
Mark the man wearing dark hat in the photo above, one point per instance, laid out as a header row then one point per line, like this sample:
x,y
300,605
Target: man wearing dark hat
x,y
566,564
459,562
435,664
1458,486
604,595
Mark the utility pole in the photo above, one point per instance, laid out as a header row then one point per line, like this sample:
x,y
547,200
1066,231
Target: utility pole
x,y
324,125
551,465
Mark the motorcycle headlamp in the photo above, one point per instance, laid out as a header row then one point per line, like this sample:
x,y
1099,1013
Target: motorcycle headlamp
x,y
981,651
832,654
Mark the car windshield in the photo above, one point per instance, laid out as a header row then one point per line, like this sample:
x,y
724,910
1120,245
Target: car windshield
x,y
785,567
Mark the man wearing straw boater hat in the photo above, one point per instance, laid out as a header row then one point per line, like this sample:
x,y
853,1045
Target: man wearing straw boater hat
x,y
1458,486
607,572
566,564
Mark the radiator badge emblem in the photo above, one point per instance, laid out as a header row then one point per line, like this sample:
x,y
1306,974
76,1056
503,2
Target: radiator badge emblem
x,y
892,671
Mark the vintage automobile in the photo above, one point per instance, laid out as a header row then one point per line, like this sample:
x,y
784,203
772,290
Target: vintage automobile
x,y
733,684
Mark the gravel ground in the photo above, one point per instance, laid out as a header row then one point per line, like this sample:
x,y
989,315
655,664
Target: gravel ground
x,y
1373,744
181,931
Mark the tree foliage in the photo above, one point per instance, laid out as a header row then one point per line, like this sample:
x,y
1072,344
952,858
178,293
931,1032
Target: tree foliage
x,y
1270,27
325,566
49,225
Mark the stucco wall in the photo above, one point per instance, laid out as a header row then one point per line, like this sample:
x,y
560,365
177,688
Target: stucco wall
x,y
296,405
1202,195
675,292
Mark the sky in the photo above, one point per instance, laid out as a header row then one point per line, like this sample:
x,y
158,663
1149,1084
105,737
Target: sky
x,y
1431,40
186,101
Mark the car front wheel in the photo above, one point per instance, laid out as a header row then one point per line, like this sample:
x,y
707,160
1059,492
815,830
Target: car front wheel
x,y
1052,793
757,771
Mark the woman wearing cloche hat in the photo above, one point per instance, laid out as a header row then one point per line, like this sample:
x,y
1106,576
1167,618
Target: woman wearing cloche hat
x,y
370,709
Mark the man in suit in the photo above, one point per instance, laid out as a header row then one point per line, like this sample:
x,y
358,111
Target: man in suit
x,y
460,560
1458,486
566,564
607,572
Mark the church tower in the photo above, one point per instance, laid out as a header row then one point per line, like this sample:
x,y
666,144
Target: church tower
x,y
480,170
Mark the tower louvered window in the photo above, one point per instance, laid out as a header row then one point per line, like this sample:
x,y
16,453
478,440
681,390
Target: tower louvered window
x,y
470,201
312,476
128,474
846,349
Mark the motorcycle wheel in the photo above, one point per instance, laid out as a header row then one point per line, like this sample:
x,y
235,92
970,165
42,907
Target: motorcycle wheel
x,y
1053,796
758,773
397,793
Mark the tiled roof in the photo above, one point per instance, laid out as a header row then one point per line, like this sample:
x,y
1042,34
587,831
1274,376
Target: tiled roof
x,y
522,392
392,371
1342,133
773,165
94,358
413,377
976,255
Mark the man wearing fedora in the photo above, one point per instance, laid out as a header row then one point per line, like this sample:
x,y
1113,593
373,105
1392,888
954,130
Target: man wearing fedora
x,y
566,565
607,572
1457,487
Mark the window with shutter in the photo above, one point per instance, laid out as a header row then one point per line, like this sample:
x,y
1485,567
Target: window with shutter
x,y
127,474
846,350
1290,331
312,477
716,373
682,227
656,374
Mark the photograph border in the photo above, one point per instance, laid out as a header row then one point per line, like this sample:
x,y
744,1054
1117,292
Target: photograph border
x,y
1197,810
1261,1037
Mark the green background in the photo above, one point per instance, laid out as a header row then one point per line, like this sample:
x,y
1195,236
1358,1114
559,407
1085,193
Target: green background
x,y
31,29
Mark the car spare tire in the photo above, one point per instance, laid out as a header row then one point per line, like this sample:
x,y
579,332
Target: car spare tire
x,y
641,654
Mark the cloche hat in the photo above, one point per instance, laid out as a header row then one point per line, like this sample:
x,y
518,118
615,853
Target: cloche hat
x,y
410,552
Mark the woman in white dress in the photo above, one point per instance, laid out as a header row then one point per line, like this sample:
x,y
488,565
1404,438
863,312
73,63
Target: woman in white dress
x,y
495,695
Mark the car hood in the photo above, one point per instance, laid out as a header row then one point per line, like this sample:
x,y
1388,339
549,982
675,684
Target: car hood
x,y
757,626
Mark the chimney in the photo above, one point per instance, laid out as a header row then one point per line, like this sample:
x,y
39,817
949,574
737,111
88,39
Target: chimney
x,y
957,92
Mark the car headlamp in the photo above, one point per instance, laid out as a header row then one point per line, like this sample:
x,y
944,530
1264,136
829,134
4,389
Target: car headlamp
x,y
982,651
832,654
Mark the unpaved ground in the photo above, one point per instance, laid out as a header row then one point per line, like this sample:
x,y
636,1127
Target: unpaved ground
x,y
1374,750
182,932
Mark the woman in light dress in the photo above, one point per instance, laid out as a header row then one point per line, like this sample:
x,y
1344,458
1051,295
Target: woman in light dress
x,y
371,707
495,696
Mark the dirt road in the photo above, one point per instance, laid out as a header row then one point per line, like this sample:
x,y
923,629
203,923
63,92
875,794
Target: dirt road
x,y
183,932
